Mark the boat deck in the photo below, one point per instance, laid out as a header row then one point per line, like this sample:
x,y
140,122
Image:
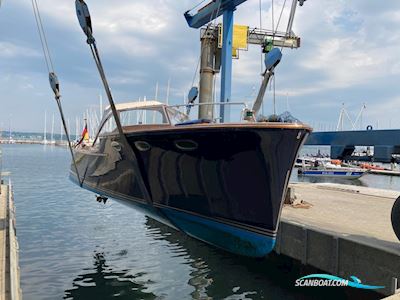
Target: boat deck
x,y
9,270
3,201
346,232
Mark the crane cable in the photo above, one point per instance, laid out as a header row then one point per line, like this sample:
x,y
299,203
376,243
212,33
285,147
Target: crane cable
x,y
54,83
261,54
273,76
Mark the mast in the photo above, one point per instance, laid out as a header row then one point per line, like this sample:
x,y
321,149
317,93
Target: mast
x,y
10,130
168,90
156,96
76,127
45,128
52,130
101,107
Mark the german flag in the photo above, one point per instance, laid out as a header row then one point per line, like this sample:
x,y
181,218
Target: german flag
x,y
84,135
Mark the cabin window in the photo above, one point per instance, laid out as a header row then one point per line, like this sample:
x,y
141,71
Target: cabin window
x,y
143,117
176,116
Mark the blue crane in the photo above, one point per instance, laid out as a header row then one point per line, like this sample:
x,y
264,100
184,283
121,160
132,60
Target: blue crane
x,y
206,14
226,8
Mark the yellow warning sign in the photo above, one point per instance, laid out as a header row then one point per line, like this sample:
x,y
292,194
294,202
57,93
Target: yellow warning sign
x,y
240,38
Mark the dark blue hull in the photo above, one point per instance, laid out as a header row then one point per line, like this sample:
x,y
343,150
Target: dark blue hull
x,y
217,233
224,186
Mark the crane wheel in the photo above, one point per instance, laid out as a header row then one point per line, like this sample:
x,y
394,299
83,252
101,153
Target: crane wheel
x,y
396,217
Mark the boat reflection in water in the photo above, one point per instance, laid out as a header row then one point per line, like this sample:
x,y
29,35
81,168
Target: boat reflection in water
x,y
209,272
102,282
216,274
223,184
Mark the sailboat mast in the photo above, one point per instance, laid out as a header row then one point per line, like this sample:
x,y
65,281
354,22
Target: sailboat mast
x,y
168,88
52,129
76,127
61,132
156,95
45,128
101,107
10,129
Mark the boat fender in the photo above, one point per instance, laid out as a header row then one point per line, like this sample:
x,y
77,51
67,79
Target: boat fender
x,y
396,217
369,127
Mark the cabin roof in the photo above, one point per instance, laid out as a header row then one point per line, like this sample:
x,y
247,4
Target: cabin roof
x,y
136,105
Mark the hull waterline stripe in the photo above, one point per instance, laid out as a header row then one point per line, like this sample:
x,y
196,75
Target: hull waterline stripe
x,y
130,198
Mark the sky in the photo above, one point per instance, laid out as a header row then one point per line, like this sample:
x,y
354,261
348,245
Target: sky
x,y
350,54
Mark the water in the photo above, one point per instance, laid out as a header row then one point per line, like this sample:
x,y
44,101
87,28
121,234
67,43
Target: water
x,y
368,180
72,247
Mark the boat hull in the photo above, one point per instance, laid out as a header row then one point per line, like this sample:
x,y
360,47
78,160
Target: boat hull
x,y
222,185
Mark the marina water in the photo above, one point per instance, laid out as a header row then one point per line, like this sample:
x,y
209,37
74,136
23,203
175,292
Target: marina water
x,y
72,247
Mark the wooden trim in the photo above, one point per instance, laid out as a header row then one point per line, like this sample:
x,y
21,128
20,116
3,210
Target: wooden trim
x,y
208,126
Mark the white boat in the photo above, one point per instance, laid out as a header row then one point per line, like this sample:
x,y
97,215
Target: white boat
x,y
328,170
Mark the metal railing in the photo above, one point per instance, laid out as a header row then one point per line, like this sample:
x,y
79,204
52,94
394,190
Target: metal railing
x,y
190,106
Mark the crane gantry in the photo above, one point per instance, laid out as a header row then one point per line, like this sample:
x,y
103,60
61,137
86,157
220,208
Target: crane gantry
x,y
223,59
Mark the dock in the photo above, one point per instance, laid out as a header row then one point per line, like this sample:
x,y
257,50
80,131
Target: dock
x,y
344,231
385,172
9,267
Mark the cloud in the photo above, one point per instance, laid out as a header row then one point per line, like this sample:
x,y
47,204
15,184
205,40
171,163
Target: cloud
x,y
349,54
11,50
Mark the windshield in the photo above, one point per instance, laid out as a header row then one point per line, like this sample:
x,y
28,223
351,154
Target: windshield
x,y
176,116
143,117
131,117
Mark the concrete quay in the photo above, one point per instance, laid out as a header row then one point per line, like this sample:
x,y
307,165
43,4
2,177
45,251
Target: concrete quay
x,y
346,232
9,268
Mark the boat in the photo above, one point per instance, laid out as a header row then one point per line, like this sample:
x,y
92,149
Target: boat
x,y
221,183
328,170
326,173
371,167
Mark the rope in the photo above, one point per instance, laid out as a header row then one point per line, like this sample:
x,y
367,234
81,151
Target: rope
x,y
261,54
41,34
44,35
272,13
195,72
58,97
96,57
52,76
280,17
273,78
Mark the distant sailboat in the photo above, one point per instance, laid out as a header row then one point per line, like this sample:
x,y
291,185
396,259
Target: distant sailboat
x,y
52,141
11,140
45,129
